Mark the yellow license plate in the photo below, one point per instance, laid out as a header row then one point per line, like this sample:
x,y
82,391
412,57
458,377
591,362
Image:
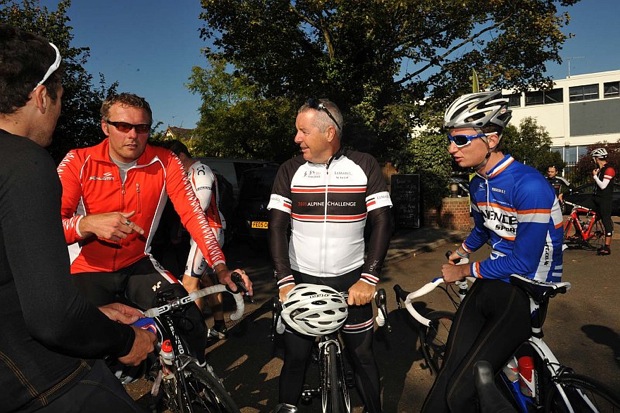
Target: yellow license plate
x,y
260,224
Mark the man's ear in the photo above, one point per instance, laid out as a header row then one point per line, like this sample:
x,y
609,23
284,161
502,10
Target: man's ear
x,y
104,127
40,98
331,133
493,140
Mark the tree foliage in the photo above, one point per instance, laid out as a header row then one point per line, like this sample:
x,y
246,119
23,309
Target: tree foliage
x,y
531,145
433,166
582,173
378,59
78,124
234,122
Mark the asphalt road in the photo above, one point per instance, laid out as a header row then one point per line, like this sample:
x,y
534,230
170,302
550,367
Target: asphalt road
x,y
582,329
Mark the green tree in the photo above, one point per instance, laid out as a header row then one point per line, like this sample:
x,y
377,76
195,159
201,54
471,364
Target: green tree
x,y
378,59
531,145
78,124
235,122
434,166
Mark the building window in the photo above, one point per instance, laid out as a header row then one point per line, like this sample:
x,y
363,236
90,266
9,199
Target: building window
x,y
514,100
586,92
546,97
611,90
570,155
534,98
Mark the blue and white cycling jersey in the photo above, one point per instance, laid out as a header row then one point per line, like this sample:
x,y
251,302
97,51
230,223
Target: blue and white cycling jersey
x,y
516,211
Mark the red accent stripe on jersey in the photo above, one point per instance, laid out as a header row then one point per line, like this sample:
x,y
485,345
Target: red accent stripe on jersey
x,y
321,218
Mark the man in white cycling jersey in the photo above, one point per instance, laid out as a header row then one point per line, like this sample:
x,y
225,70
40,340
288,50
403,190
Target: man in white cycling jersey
x,y
204,184
326,196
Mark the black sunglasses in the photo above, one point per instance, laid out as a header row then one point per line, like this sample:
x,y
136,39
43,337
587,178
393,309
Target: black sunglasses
x,y
317,105
127,127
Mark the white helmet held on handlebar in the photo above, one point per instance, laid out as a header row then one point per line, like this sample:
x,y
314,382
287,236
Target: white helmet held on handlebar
x,y
314,310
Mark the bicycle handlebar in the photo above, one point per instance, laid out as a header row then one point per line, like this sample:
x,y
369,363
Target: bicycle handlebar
x,y
577,206
191,297
425,289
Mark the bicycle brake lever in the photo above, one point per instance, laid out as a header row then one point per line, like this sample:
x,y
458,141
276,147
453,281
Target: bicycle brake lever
x,y
238,280
381,303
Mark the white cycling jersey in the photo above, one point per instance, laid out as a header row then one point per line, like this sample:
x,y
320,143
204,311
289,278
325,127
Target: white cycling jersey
x,y
204,184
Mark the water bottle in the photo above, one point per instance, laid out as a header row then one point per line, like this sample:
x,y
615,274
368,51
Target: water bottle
x,y
527,376
166,353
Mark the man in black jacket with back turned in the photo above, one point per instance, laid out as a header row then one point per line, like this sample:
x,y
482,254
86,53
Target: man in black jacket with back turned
x,y
53,340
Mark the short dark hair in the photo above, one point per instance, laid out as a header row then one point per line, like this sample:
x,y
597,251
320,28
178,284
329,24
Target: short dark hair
x,y
128,99
177,147
24,59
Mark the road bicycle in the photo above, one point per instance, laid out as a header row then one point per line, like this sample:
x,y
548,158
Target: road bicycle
x,y
583,228
180,384
334,383
555,388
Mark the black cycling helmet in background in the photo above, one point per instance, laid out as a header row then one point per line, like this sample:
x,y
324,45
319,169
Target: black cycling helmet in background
x,y
478,110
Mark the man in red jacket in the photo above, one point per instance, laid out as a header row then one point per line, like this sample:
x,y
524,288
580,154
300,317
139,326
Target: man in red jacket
x,y
113,197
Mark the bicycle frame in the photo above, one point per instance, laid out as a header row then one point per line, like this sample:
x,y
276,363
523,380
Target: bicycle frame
x,y
550,364
589,233
333,386
173,375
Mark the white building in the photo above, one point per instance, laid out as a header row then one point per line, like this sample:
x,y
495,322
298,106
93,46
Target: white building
x,y
579,111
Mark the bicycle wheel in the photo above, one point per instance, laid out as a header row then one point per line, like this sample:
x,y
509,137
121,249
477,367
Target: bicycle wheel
x,y
198,390
597,235
583,394
433,338
334,391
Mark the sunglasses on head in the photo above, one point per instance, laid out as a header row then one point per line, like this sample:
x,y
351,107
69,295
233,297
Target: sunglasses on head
x,y
53,67
127,127
317,105
464,140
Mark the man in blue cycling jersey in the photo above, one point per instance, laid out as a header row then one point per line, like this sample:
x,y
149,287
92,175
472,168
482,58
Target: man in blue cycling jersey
x,y
517,213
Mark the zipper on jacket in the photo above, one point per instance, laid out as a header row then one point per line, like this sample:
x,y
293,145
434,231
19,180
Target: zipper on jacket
x,y
139,199
324,236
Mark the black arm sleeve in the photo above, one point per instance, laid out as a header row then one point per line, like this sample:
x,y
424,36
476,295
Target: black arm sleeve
x,y
382,225
279,222
35,264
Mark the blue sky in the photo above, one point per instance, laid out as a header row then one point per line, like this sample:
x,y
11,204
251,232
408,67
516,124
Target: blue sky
x,y
150,47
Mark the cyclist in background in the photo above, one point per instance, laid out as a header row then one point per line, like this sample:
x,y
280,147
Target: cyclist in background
x,y
112,199
204,184
326,196
53,340
559,184
602,196
516,211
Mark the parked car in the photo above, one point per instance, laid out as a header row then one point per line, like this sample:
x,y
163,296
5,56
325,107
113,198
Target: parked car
x,y
579,194
251,220
232,169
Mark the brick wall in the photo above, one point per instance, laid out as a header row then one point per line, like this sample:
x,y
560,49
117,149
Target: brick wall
x,y
454,214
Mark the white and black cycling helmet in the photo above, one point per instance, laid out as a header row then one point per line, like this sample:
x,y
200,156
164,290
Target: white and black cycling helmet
x,y
314,310
477,110
599,153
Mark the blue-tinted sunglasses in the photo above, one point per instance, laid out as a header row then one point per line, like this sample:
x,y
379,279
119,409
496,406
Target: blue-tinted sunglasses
x,y
464,140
